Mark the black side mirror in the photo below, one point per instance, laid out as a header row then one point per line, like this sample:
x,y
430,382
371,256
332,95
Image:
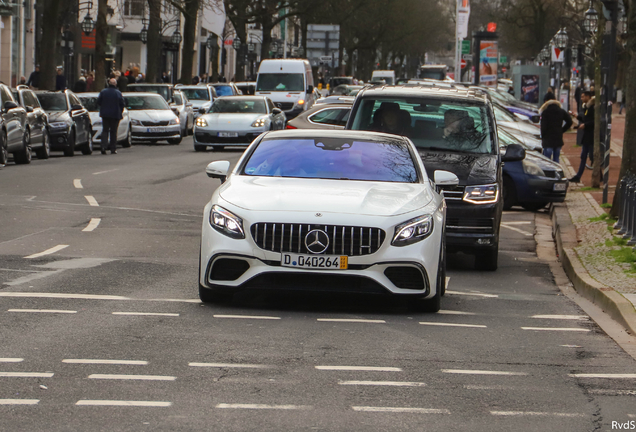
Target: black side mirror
x,y
29,109
535,118
277,111
76,107
8,105
514,153
310,89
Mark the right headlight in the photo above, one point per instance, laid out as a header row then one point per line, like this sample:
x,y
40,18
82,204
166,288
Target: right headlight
x,y
532,168
482,194
226,222
201,122
413,231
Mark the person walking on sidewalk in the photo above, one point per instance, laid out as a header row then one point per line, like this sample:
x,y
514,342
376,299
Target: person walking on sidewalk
x,y
111,107
586,123
555,121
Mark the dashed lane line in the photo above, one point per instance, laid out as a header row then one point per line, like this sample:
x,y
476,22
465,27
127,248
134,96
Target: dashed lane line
x,y
384,383
400,410
87,402
441,324
535,414
60,311
94,223
133,377
452,312
351,320
247,317
359,368
104,172
78,184
26,374
106,361
47,252
262,406
63,296
561,317
10,360
475,294
91,200
481,372
230,365
518,223
146,314
609,376
19,401
566,329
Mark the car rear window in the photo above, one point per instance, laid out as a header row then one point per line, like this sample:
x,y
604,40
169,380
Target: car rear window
x,y
333,158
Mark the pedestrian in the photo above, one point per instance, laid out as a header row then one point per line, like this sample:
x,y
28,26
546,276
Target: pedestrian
x,y
555,121
165,78
195,80
577,96
22,80
204,78
549,95
80,85
111,106
586,123
60,80
89,82
140,78
34,78
621,101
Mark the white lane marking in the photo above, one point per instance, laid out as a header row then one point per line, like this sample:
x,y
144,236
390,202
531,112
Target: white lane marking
x,y
48,251
19,401
518,223
105,361
472,294
91,200
262,406
359,368
146,314
561,317
351,320
10,360
489,387
631,415
170,300
400,410
452,325
384,383
613,393
480,372
571,346
452,312
63,295
571,329
104,172
123,403
43,311
133,377
94,223
535,414
78,184
32,198
230,365
610,376
26,374
525,233
247,317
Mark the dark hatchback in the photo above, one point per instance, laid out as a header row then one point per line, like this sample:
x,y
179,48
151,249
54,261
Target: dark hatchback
x,y
454,130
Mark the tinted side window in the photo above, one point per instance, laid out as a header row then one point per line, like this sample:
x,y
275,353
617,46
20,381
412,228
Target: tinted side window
x,y
33,100
74,100
6,96
328,116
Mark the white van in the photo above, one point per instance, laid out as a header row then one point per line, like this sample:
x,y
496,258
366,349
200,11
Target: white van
x,y
387,75
288,83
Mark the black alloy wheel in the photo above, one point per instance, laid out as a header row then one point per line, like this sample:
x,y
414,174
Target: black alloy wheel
x,y
128,141
87,149
45,151
24,156
4,154
70,149
200,148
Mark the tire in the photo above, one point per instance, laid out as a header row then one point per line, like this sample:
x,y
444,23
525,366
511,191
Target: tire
x,y
24,156
487,259
4,154
87,149
509,193
70,150
176,141
534,206
431,305
45,151
441,271
128,141
200,148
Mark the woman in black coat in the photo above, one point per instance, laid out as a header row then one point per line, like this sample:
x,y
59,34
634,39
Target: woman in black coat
x,y
555,121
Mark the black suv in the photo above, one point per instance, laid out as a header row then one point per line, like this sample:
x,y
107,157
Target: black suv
x,y
37,120
453,129
14,131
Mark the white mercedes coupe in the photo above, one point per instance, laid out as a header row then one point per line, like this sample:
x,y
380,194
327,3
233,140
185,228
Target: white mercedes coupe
x,y
347,211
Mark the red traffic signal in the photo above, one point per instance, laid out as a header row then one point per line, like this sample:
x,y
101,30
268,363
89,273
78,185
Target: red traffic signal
x,y
492,27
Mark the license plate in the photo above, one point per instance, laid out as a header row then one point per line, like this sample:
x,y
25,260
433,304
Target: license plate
x,y
328,262
228,134
559,186
155,129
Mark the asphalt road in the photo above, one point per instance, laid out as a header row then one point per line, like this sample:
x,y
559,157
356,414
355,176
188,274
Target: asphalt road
x,y
107,333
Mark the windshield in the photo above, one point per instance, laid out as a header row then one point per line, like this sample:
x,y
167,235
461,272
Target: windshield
x,y
239,105
432,74
161,90
334,82
53,101
137,103
224,90
196,94
90,103
333,158
503,115
429,123
280,82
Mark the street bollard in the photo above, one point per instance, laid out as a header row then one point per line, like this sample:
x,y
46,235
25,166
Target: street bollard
x,y
621,205
626,199
630,203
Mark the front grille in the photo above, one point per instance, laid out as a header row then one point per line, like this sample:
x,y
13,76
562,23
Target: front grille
x,y
208,138
468,225
456,193
343,240
405,277
285,106
157,123
555,174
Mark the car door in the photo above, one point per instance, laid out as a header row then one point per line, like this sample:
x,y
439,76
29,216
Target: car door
x,y
12,121
81,118
37,118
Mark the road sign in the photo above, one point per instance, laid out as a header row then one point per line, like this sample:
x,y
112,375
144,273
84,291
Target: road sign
x,y
463,63
465,47
236,44
504,70
325,58
467,57
503,59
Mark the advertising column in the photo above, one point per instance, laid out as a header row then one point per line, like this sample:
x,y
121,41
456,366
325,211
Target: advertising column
x,y
488,63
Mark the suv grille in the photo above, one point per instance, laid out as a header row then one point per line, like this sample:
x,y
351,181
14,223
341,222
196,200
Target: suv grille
x,y
343,240
157,123
467,225
456,193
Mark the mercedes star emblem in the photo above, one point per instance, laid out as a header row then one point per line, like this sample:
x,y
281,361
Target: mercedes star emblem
x,y
317,241
318,214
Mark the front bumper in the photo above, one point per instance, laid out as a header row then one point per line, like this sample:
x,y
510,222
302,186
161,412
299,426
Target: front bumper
x,y
471,227
211,137
543,190
59,138
141,133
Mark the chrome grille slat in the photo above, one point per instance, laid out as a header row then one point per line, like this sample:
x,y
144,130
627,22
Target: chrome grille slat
x,y
351,241
273,235
291,237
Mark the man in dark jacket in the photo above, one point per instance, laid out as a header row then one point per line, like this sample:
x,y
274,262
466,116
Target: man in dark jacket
x,y
111,106
60,80
586,123
555,121
34,78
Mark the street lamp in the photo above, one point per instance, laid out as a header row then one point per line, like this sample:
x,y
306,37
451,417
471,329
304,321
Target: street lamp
x,y
143,35
236,43
176,36
561,39
88,25
590,23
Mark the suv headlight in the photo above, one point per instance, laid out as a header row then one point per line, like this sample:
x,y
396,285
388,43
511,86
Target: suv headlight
x,y
226,222
174,121
532,168
259,122
58,125
135,122
413,231
483,194
201,122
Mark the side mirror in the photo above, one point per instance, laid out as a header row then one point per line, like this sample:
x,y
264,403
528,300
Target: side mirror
x,y
445,179
29,109
535,118
8,105
76,107
277,111
514,153
218,169
201,110
310,89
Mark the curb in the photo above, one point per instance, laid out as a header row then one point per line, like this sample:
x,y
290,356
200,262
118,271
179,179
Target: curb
x,y
612,302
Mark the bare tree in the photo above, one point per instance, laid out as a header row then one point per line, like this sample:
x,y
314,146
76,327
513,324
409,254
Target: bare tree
x,y
51,27
101,31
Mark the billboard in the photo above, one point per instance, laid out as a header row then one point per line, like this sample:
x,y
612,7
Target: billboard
x,y
488,63
530,88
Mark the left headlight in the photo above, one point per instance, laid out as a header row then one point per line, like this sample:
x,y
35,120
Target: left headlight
x,y
58,125
201,122
226,222
483,194
413,231
135,122
259,122
174,121
532,168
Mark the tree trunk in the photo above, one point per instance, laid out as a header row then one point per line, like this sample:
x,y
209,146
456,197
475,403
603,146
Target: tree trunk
x,y
153,52
189,39
50,36
598,156
267,40
101,31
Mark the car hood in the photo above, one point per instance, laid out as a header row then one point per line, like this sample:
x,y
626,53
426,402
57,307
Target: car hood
x,y
58,116
151,115
543,162
231,121
325,196
470,169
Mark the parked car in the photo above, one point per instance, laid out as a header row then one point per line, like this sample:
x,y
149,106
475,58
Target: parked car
x,y
152,119
184,110
512,123
124,133
14,135
247,88
37,120
323,116
532,182
345,90
225,89
338,81
300,209
164,90
236,120
454,130
69,122
506,100
200,96
347,100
